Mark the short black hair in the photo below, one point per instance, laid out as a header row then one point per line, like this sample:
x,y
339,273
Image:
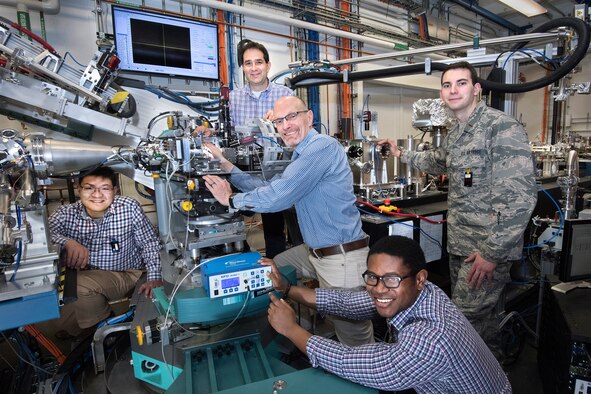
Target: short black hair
x,y
398,246
101,172
245,45
463,65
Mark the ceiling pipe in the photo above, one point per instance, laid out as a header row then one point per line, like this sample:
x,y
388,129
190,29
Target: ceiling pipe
x,y
467,4
51,7
267,16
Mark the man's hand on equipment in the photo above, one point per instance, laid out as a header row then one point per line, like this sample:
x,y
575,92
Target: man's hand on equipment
x,y
216,153
219,188
281,316
278,283
148,286
203,131
283,319
76,254
394,151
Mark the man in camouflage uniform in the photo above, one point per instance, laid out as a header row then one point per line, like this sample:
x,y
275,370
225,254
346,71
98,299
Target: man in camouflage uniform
x,y
492,194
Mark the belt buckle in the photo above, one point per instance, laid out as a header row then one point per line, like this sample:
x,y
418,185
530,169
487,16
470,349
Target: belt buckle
x,y
315,254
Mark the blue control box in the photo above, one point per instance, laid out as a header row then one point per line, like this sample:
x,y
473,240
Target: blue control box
x,y
235,274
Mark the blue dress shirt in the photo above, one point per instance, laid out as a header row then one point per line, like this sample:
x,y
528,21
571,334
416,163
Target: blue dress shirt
x,y
318,182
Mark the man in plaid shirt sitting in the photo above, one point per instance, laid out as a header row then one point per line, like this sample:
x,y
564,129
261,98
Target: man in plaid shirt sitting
x,y
109,240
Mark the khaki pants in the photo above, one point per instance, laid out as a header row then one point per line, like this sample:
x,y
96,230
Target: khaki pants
x,y
96,288
339,271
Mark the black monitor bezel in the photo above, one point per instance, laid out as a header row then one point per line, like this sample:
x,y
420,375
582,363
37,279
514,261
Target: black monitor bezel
x,y
565,274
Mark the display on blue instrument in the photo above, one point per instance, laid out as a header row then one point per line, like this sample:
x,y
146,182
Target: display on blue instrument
x,y
231,282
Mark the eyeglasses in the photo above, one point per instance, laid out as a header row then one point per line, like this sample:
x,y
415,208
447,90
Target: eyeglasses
x,y
279,121
102,190
390,281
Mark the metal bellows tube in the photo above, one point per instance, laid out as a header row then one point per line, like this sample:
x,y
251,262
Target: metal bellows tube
x,y
53,157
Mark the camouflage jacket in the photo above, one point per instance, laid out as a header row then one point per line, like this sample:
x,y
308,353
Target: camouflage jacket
x,y
492,190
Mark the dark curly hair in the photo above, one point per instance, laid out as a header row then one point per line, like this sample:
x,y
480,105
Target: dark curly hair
x,y
398,246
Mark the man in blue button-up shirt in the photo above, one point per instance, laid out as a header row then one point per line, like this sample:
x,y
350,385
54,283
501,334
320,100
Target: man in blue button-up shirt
x,y
319,183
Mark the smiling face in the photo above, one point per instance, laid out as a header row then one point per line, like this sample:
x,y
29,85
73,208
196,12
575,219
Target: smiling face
x,y
96,194
459,92
293,131
255,68
389,302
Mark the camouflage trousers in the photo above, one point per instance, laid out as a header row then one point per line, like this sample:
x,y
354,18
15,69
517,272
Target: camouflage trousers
x,y
481,306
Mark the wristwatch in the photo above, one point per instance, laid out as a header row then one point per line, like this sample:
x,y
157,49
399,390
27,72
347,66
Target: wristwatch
x,y
231,200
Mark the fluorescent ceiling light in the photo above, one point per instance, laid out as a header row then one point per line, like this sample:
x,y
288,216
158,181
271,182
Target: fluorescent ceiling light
x,y
526,7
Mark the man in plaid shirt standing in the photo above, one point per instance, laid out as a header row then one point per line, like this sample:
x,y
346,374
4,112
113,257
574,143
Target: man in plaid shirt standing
x,y
255,100
109,240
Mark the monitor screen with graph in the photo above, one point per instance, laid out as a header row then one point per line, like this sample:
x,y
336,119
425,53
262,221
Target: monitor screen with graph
x,y
160,44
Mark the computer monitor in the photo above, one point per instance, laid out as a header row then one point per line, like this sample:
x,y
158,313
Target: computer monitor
x,y
575,262
159,44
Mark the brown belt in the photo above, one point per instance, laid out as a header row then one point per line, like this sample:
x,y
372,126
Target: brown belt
x,y
342,248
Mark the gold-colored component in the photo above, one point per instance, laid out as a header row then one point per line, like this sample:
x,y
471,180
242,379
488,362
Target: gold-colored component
x,y
187,206
119,97
191,184
139,333
388,208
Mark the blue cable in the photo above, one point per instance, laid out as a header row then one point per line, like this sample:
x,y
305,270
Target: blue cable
x,y
58,384
117,319
71,387
74,59
177,98
230,49
561,221
198,104
18,216
17,263
526,49
270,139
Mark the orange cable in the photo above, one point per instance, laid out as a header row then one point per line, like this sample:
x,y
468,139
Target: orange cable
x,y
46,343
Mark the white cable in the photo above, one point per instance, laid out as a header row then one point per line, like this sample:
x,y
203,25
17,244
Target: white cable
x,y
172,295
